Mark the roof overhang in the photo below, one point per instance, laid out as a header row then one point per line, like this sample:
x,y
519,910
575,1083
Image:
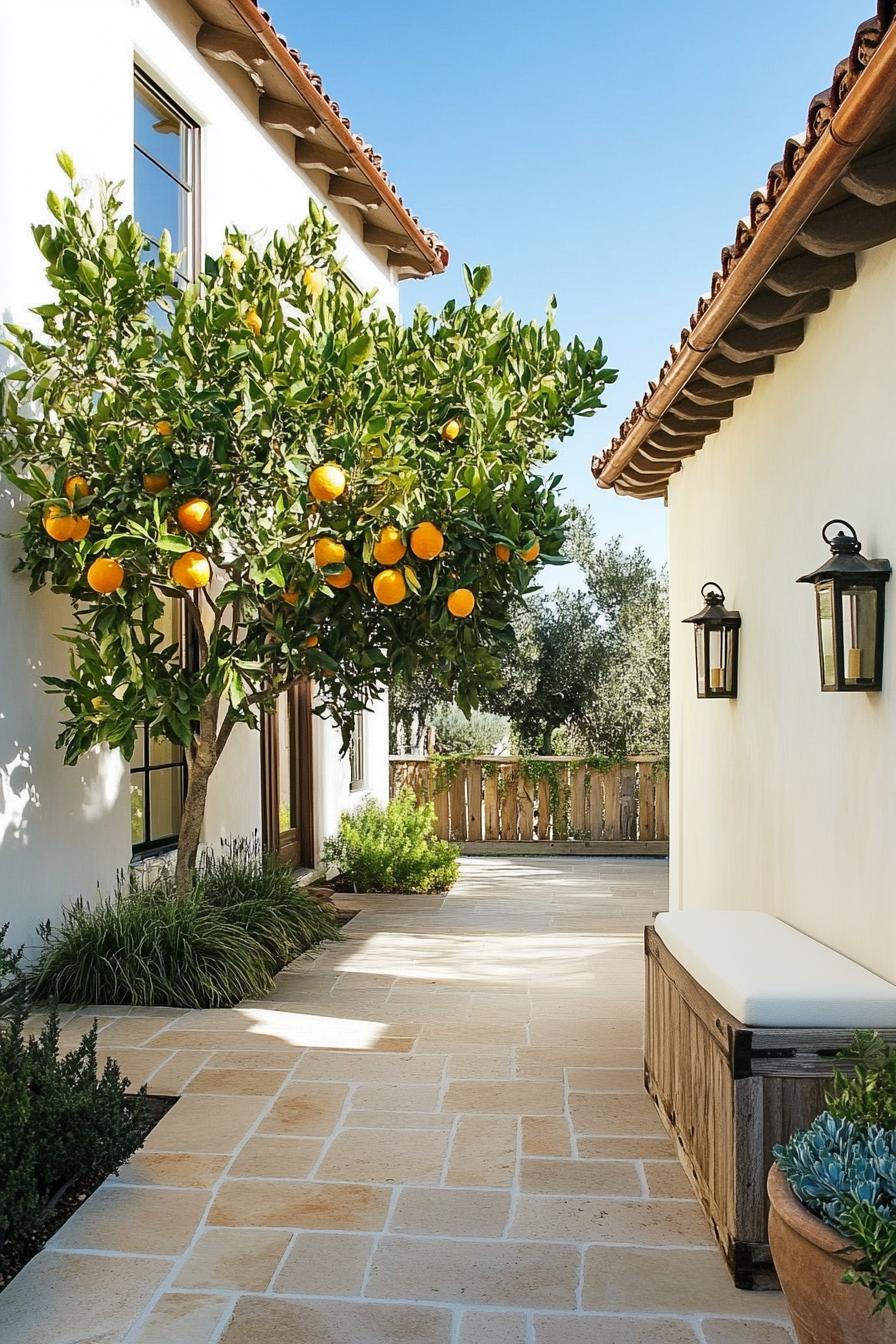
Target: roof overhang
x,y
292,100
832,195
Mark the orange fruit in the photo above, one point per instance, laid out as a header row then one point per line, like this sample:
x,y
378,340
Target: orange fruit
x,y
290,595
502,552
327,481
532,553
427,541
340,580
253,321
314,281
328,551
105,575
461,602
58,523
451,429
76,487
389,587
165,428
191,570
195,516
312,642
390,547
156,481
80,526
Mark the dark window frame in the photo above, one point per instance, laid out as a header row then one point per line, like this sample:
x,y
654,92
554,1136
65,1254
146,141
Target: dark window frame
x,y
191,186
147,847
357,754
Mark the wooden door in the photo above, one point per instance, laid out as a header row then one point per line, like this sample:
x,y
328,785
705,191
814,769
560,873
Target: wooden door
x,y
287,778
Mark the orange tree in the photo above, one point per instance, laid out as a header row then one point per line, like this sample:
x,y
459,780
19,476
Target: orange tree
x,y
323,490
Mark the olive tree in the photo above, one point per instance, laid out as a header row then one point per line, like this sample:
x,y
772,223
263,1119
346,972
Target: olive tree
x,y
323,490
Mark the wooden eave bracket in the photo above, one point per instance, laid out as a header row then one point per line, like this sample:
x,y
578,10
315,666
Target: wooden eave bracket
x,y
852,226
293,117
873,179
350,192
240,49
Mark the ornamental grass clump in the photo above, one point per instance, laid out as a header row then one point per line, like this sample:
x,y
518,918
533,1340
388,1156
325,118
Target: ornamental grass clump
x,y
843,1167
244,918
392,848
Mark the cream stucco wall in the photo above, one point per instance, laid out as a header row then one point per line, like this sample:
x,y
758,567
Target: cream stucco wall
x,y
784,799
63,830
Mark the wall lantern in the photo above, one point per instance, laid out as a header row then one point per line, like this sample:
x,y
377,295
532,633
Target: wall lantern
x,y
716,636
849,605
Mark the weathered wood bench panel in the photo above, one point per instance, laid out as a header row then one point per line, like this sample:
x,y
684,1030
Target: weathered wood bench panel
x,y
727,1094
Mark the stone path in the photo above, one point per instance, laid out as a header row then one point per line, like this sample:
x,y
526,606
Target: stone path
x,y
433,1133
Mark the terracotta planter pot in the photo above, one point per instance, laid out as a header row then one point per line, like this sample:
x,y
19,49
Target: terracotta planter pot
x,y
810,1262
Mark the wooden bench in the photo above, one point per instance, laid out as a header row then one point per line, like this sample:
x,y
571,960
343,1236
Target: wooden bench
x,y
728,1091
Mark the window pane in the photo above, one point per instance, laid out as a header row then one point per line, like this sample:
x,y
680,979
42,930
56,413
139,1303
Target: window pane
x,y
160,132
163,752
164,802
159,203
356,752
138,810
284,766
138,756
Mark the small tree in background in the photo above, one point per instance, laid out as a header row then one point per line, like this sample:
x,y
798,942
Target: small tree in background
x,y
322,490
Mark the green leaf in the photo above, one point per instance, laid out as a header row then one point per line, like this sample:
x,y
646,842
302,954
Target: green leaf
x,y
66,164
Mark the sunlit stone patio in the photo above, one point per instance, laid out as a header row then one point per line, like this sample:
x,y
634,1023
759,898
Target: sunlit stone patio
x,y
434,1132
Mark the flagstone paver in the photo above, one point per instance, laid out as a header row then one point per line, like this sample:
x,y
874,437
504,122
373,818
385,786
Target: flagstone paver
x,y
434,1131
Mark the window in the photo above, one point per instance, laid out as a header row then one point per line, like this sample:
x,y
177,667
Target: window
x,y
165,197
165,154
158,773
356,752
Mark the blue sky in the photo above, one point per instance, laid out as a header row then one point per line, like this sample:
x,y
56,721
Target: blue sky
x,y
600,150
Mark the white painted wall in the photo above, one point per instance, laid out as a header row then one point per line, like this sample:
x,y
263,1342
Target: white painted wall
x,y
63,830
783,800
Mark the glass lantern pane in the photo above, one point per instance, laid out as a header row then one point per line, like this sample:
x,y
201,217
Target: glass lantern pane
x,y
717,652
701,659
730,659
824,597
859,634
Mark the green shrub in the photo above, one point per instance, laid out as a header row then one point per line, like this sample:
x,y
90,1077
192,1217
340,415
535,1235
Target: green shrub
x,y
62,1129
392,848
244,919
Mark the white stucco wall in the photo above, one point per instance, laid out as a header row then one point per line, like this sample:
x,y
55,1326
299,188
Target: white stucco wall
x,y
783,800
63,830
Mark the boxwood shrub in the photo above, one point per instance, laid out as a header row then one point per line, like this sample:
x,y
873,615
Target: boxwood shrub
x,y
392,848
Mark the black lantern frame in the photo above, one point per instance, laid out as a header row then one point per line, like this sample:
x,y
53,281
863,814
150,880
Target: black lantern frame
x,y
716,645
849,612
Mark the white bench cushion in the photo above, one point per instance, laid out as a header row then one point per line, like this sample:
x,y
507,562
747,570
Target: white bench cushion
x,y
768,974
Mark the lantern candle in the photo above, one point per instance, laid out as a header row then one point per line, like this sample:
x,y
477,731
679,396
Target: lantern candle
x,y
854,664
715,678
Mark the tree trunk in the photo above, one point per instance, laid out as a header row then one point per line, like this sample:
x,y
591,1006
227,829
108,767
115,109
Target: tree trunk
x,y
200,768
546,741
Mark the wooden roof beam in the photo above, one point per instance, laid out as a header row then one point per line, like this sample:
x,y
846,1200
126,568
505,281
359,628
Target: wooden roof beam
x,y
852,226
293,117
350,192
703,393
374,236
241,49
311,155
805,272
728,373
745,343
873,179
678,427
672,445
687,413
767,309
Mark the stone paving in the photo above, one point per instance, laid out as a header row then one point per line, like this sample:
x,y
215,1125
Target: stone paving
x,y
434,1132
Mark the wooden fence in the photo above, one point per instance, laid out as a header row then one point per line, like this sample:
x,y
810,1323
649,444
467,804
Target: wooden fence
x,y
488,801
